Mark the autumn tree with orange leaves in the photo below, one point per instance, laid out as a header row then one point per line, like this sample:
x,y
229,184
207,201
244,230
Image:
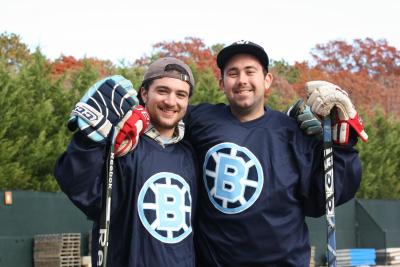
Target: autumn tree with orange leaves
x,y
373,57
192,51
369,70
65,64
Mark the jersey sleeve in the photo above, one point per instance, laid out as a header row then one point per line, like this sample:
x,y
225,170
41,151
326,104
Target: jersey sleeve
x,y
188,120
347,177
79,170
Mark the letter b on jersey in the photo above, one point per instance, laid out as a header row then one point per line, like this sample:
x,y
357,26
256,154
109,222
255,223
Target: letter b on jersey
x,y
230,172
170,207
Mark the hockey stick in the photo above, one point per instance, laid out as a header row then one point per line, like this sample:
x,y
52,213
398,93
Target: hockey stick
x,y
104,227
329,192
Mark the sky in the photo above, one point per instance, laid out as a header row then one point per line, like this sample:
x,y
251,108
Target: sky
x,y
125,30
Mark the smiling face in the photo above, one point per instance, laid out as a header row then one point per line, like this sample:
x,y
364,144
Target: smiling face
x,y
245,86
166,101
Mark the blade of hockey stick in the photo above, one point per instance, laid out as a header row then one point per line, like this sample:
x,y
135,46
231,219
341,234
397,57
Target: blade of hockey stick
x,y
104,227
329,192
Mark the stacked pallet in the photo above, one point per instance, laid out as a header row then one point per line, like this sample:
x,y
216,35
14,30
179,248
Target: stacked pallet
x,y
312,261
57,250
388,256
90,243
356,257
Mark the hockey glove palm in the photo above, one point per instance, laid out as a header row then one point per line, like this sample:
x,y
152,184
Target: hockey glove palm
x,y
128,136
108,103
323,97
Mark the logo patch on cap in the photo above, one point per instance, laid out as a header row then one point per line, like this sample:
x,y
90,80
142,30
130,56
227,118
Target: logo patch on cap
x,y
242,42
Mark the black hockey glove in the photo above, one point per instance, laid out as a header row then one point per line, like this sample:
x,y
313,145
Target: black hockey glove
x,y
108,103
308,122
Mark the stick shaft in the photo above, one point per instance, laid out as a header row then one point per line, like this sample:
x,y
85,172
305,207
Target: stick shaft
x,y
329,192
104,226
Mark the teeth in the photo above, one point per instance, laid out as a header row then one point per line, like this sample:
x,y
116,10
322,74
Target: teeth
x,y
167,110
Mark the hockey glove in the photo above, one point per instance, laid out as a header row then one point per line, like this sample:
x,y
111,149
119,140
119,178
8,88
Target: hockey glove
x,y
308,122
128,135
323,97
108,103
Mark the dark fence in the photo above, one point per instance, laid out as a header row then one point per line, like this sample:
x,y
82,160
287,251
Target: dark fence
x,y
34,213
360,223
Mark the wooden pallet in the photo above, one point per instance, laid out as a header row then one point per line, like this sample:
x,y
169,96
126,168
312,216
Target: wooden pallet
x,y
388,256
57,250
58,262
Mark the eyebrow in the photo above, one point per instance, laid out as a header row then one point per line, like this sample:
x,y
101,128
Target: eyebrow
x,y
246,68
162,87
168,88
181,91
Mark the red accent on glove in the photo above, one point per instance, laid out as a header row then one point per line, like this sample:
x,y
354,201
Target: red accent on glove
x,y
341,128
128,135
358,126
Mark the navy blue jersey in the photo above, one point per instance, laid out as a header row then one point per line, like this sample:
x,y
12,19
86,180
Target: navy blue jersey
x,y
152,203
259,181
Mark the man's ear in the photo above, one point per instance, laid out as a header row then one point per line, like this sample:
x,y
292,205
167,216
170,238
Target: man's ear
x,y
267,83
143,94
221,85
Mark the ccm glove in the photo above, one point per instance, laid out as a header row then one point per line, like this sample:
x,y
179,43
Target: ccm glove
x,y
308,122
128,135
323,97
108,103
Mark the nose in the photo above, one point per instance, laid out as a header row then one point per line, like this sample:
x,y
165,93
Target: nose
x,y
170,100
243,79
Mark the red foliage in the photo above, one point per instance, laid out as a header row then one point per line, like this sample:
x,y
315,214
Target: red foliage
x,y
369,70
102,66
286,92
307,74
366,92
191,50
369,56
65,63
68,63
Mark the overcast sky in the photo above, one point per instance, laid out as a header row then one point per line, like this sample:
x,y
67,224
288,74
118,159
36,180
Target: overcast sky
x,y
127,29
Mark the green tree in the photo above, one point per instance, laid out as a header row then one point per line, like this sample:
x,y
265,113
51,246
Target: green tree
x,y
284,70
13,51
26,107
134,73
380,158
207,88
82,79
35,107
